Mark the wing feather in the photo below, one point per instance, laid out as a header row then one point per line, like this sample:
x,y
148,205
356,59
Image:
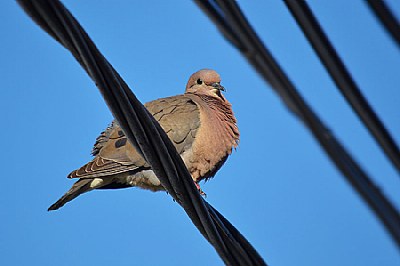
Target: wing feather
x,y
177,115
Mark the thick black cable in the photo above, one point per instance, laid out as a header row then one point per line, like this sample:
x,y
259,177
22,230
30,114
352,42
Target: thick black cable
x,y
252,48
344,82
386,17
143,131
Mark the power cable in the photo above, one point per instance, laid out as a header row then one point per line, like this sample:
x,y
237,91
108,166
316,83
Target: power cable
x,y
143,131
386,17
234,26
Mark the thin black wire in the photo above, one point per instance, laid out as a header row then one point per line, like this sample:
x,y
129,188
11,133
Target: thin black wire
x,y
386,17
344,82
144,132
236,29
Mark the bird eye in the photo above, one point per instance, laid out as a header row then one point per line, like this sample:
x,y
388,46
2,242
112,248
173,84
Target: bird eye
x,y
199,81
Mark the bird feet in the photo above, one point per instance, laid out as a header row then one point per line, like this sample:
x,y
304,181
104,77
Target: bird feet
x,y
200,190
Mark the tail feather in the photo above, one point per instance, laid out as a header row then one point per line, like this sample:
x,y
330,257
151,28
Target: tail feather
x,y
80,187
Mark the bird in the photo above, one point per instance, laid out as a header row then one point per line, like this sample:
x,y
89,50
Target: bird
x,y
200,123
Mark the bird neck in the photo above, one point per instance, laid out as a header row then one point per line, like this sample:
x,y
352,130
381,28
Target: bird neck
x,y
221,112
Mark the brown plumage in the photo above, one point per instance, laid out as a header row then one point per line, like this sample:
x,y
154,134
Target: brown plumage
x,y
200,123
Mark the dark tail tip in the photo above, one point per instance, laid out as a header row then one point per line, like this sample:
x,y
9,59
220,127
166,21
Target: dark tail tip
x,y
81,186
55,206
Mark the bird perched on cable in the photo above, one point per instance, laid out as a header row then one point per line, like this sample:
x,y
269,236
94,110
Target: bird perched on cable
x,y
200,124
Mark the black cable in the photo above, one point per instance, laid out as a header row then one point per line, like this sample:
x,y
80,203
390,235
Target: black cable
x,y
344,82
143,131
252,48
386,17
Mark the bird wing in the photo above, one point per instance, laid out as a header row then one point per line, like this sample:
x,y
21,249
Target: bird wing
x,y
179,116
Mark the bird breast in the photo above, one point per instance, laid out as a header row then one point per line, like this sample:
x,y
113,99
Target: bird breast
x,y
216,136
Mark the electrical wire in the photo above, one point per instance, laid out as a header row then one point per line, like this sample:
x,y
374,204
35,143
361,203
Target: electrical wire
x,y
344,82
143,131
232,23
386,17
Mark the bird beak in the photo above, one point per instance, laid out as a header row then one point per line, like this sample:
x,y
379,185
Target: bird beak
x,y
218,86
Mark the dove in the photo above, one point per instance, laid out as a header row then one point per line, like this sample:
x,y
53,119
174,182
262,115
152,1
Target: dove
x,y
200,123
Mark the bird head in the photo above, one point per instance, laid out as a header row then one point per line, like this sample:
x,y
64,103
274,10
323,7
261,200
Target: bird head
x,y
205,82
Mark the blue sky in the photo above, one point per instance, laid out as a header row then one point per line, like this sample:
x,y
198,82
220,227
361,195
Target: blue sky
x,y
279,188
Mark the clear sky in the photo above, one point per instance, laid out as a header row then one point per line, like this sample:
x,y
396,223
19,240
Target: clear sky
x,y
279,188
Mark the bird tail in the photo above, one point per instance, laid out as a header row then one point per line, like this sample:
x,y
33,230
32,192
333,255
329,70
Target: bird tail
x,y
80,187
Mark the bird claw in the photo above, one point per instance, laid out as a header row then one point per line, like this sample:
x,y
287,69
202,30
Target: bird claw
x,y
200,190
